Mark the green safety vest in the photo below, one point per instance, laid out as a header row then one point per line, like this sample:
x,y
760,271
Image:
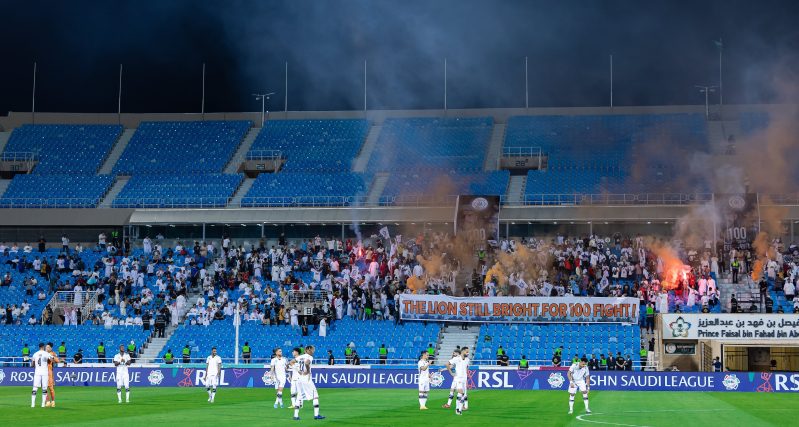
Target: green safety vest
x,y
500,352
576,360
62,349
100,349
168,357
131,348
347,351
186,351
735,264
383,351
603,361
643,352
650,311
431,351
26,351
558,351
245,350
523,363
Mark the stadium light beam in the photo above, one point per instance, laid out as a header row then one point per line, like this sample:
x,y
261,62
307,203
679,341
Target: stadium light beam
x,y
263,97
720,45
706,90
33,97
202,102
119,98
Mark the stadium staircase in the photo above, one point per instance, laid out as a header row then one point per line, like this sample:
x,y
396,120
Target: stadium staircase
x,y
235,201
495,147
516,187
453,336
4,140
63,300
4,183
154,346
718,133
238,158
376,190
116,152
119,184
366,151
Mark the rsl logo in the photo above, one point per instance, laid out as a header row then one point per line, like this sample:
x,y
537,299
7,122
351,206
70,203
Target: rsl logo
x,y
731,382
436,379
679,328
155,377
556,380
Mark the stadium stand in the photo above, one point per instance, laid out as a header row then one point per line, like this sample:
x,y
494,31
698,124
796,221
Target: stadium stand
x,y
56,191
306,189
159,191
82,337
181,147
403,341
432,144
65,149
312,145
429,183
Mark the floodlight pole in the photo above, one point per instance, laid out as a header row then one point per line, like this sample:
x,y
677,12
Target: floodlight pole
x,y
119,98
33,97
202,105
263,97
706,90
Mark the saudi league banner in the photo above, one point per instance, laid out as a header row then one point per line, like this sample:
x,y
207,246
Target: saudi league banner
x,y
398,378
443,308
739,221
477,220
731,326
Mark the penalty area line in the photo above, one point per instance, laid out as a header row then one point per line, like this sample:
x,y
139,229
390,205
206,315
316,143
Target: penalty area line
x,y
580,418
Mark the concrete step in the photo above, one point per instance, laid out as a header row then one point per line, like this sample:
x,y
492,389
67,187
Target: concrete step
x,y
494,147
119,184
359,165
516,186
116,152
4,183
235,201
4,136
241,152
376,190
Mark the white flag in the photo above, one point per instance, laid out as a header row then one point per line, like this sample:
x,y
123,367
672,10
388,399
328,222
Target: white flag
x,y
399,238
384,233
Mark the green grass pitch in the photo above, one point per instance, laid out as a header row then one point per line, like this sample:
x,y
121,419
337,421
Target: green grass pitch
x,y
89,406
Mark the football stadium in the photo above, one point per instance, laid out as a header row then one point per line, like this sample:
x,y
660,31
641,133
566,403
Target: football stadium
x,y
378,213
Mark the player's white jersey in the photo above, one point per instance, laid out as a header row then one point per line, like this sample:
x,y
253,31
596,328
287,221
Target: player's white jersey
x,y
424,372
214,364
122,361
578,374
40,359
461,365
295,371
278,365
304,368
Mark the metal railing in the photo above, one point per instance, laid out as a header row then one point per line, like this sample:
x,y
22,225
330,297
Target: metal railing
x,y
264,155
521,152
779,199
49,203
19,156
611,199
164,202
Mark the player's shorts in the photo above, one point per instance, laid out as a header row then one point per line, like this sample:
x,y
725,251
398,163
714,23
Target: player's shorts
x,y
212,381
459,385
306,390
578,385
123,381
280,381
41,381
424,386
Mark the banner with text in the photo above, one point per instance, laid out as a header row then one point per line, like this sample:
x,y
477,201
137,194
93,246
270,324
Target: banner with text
x,y
518,309
731,326
364,377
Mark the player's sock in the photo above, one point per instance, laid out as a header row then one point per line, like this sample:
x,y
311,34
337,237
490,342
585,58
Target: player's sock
x,y
44,398
293,399
213,394
571,402
451,395
423,400
459,403
465,401
585,400
208,390
119,395
316,407
33,398
279,398
296,411
127,395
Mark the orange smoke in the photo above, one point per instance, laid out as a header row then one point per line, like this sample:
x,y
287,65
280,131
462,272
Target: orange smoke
x,y
674,271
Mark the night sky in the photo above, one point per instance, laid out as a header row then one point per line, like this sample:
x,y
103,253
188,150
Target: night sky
x,y
661,49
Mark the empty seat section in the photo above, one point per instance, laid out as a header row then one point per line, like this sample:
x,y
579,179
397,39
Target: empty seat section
x,y
56,191
306,189
158,191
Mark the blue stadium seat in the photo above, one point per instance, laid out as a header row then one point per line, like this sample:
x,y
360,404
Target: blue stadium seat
x,y
165,191
56,191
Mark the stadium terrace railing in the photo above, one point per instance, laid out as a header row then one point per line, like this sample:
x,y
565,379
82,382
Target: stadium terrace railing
x,y
612,199
779,199
196,361
264,155
57,202
178,202
521,152
19,156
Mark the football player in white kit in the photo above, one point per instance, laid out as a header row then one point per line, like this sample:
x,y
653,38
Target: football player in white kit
x,y
41,375
452,386
460,376
306,390
212,371
423,368
122,361
293,369
277,370
579,378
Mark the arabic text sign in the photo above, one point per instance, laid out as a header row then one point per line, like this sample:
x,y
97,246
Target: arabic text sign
x,y
731,326
518,309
